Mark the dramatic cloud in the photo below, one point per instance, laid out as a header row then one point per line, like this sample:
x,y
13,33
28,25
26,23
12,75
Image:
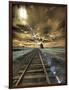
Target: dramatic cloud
x,y
45,24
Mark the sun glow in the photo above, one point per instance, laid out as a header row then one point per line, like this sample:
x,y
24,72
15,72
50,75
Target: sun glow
x,y
22,13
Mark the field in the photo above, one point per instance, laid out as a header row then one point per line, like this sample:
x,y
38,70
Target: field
x,y
53,56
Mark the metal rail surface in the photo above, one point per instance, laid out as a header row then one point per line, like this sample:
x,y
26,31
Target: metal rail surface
x,y
33,71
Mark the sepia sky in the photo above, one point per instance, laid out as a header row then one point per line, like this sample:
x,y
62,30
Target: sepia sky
x,y
35,24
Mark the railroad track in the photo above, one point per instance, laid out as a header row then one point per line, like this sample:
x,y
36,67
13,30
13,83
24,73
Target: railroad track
x,y
33,71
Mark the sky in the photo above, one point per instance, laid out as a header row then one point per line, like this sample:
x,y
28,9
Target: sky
x,y
35,24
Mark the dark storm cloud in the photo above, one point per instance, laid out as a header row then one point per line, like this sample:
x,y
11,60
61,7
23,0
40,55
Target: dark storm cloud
x,y
46,21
